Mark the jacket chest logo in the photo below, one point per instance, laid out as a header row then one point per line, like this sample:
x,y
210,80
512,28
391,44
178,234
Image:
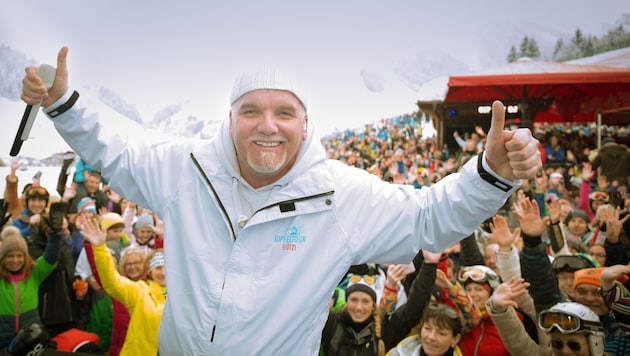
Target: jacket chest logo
x,y
289,239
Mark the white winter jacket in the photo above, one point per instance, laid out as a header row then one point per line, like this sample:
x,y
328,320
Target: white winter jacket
x,y
264,289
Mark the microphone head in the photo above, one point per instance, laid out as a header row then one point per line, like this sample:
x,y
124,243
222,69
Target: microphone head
x,y
47,73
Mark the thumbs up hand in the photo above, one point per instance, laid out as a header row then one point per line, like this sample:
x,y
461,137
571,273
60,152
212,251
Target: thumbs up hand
x,y
512,154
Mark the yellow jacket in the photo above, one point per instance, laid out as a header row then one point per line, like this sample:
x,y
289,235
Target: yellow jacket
x,y
144,301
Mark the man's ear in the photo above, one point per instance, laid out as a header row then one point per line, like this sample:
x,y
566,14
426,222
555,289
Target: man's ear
x,y
305,132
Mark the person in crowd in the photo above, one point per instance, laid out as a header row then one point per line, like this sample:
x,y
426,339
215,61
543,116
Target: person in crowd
x,y
439,335
261,191
564,267
613,160
21,276
590,200
587,291
616,294
356,328
15,202
572,328
101,313
113,225
91,188
598,252
144,299
145,228
56,307
480,282
36,201
133,266
362,328
555,151
76,239
577,225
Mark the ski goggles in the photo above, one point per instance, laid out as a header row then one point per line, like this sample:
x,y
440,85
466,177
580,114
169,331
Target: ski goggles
x,y
573,345
565,323
569,263
473,273
602,196
36,192
355,278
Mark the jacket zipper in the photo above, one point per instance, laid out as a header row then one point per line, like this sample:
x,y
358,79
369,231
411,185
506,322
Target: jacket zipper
x,y
221,206
227,217
17,307
293,201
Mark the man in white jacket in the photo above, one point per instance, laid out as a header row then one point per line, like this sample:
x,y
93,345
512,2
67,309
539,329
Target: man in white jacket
x,y
259,225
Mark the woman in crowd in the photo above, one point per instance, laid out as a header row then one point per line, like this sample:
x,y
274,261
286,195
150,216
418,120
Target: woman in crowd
x,y
361,328
144,299
439,335
21,277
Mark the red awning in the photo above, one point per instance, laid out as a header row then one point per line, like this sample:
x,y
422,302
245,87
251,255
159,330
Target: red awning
x,y
579,91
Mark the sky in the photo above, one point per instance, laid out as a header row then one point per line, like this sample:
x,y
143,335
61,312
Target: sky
x,y
170,65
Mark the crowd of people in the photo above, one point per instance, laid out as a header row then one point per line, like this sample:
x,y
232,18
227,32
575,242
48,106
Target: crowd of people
x,y
95,258
258,229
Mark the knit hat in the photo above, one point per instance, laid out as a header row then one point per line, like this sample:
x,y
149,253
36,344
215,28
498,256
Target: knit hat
x,y
608,140
156,260
86,204
144,220
265,78
111,220
12,241
577,213
362,287
114,249
591,276
587,276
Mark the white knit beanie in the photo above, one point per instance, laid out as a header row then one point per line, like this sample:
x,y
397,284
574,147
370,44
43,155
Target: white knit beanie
x,y
266,78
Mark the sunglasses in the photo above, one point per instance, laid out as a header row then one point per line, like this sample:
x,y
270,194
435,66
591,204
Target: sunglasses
x,y
448,311
355,278
564,322
599,196
573,345
36,191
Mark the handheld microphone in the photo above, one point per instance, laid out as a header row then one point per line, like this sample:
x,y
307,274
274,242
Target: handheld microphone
x,y
47,73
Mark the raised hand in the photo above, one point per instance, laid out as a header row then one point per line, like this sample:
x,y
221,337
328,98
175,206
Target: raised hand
x,y
528,215
90,229
33,89
395,274
500,232
511,154
587,172
441,279
507,292
611,274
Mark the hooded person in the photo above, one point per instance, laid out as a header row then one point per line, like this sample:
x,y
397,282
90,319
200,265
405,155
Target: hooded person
x,y
264,190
